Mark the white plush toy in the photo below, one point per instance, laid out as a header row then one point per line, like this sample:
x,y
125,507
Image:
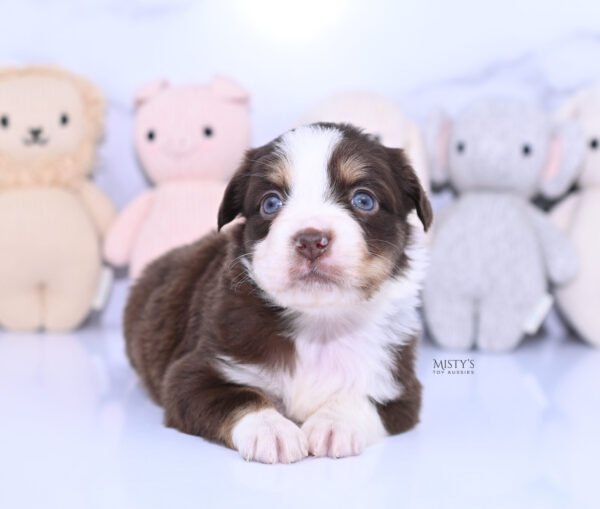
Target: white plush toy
x,y
378,116
493,253
578,217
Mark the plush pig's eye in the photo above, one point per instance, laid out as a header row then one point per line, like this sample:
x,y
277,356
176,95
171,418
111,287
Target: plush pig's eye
x,y
271,204
64,119
363,201
4,121
208,131
150,135
594,144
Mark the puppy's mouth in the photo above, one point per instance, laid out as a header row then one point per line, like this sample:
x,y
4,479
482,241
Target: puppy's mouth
x,y
28,142
313,275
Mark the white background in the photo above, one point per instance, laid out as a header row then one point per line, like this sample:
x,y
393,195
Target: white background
x,y
78,430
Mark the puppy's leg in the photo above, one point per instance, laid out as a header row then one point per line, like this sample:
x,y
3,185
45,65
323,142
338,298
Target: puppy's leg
x,y
343,427
199,401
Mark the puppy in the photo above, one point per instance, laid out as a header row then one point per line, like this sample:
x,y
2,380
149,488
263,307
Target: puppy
x,y
293,332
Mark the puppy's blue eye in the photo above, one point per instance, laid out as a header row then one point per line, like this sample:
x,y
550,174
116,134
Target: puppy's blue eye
x,y
271,204
363,201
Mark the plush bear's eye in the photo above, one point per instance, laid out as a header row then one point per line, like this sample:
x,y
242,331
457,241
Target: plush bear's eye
x,y
460,147
4,121
594,143
377,138
150,135
208,131
526,149
64,119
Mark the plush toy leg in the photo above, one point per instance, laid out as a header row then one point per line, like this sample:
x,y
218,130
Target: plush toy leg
x,y
21,309
501,323
450,319
69,297
580,302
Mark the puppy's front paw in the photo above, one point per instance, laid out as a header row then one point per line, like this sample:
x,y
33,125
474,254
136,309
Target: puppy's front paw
x,y
268,437
328,436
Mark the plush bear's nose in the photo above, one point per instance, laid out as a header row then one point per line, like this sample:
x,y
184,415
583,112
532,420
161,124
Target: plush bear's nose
x,y
35,132
312,243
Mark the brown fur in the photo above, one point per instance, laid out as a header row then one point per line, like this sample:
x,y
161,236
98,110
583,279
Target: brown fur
x,y
196,302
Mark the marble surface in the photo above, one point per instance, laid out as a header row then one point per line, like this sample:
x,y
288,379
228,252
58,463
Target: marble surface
x,y
78,431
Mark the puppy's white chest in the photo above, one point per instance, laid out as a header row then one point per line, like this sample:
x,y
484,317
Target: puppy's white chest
x,y
351,364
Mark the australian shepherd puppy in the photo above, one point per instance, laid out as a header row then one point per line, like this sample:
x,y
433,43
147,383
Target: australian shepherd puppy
x,y
292,332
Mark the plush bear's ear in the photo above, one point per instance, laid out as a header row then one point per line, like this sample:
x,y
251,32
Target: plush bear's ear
x,y
229,89
437,139
418,154
409,186
233,199
148,91
565,158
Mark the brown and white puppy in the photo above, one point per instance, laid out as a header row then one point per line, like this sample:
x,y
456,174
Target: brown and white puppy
x,y
294,331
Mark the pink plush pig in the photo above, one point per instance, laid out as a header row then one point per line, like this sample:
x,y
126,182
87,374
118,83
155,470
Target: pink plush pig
x,y
189,140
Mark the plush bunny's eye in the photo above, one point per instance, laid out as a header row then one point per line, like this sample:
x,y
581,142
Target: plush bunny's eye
x,y
594,144
150,135
526,149
460,147
4,121
208,131
64,119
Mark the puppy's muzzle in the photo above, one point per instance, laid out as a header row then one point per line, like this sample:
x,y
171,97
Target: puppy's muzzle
x,y
312,243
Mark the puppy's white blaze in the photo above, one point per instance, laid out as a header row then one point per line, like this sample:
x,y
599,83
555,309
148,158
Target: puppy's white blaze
x,y
307,151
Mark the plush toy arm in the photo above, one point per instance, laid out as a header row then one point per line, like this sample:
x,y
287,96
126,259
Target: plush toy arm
x,y
122,235
562,215
101,209
559,254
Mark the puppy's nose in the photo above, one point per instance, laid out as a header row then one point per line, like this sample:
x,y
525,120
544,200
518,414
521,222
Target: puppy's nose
x,y
35,132
312,243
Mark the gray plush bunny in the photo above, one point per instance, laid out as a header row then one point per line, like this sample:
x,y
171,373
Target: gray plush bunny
x,y
493,252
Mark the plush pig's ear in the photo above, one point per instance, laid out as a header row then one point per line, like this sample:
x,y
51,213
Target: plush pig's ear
x,y
565,158
229,89
148,91
417,154
437,140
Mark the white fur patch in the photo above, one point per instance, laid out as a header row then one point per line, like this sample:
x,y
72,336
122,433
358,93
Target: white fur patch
x,y
307,151
348,355
268,437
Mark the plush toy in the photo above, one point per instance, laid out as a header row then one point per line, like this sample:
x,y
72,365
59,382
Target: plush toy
x,y
52,218
578,216
493,252
378,116
189,140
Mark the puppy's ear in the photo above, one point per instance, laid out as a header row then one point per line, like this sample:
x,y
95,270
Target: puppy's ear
x,y
409,185
235,192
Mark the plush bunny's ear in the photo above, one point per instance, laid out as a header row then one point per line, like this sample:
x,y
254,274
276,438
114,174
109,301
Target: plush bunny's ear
x,y
565,158
229,89
417,153
148,91
437,139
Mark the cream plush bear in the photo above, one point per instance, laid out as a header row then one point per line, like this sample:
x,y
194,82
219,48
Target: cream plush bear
x,y
578,216
190,140
52,218
378,116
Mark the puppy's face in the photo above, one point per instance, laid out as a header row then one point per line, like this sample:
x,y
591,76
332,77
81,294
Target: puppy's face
x,y
326,215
